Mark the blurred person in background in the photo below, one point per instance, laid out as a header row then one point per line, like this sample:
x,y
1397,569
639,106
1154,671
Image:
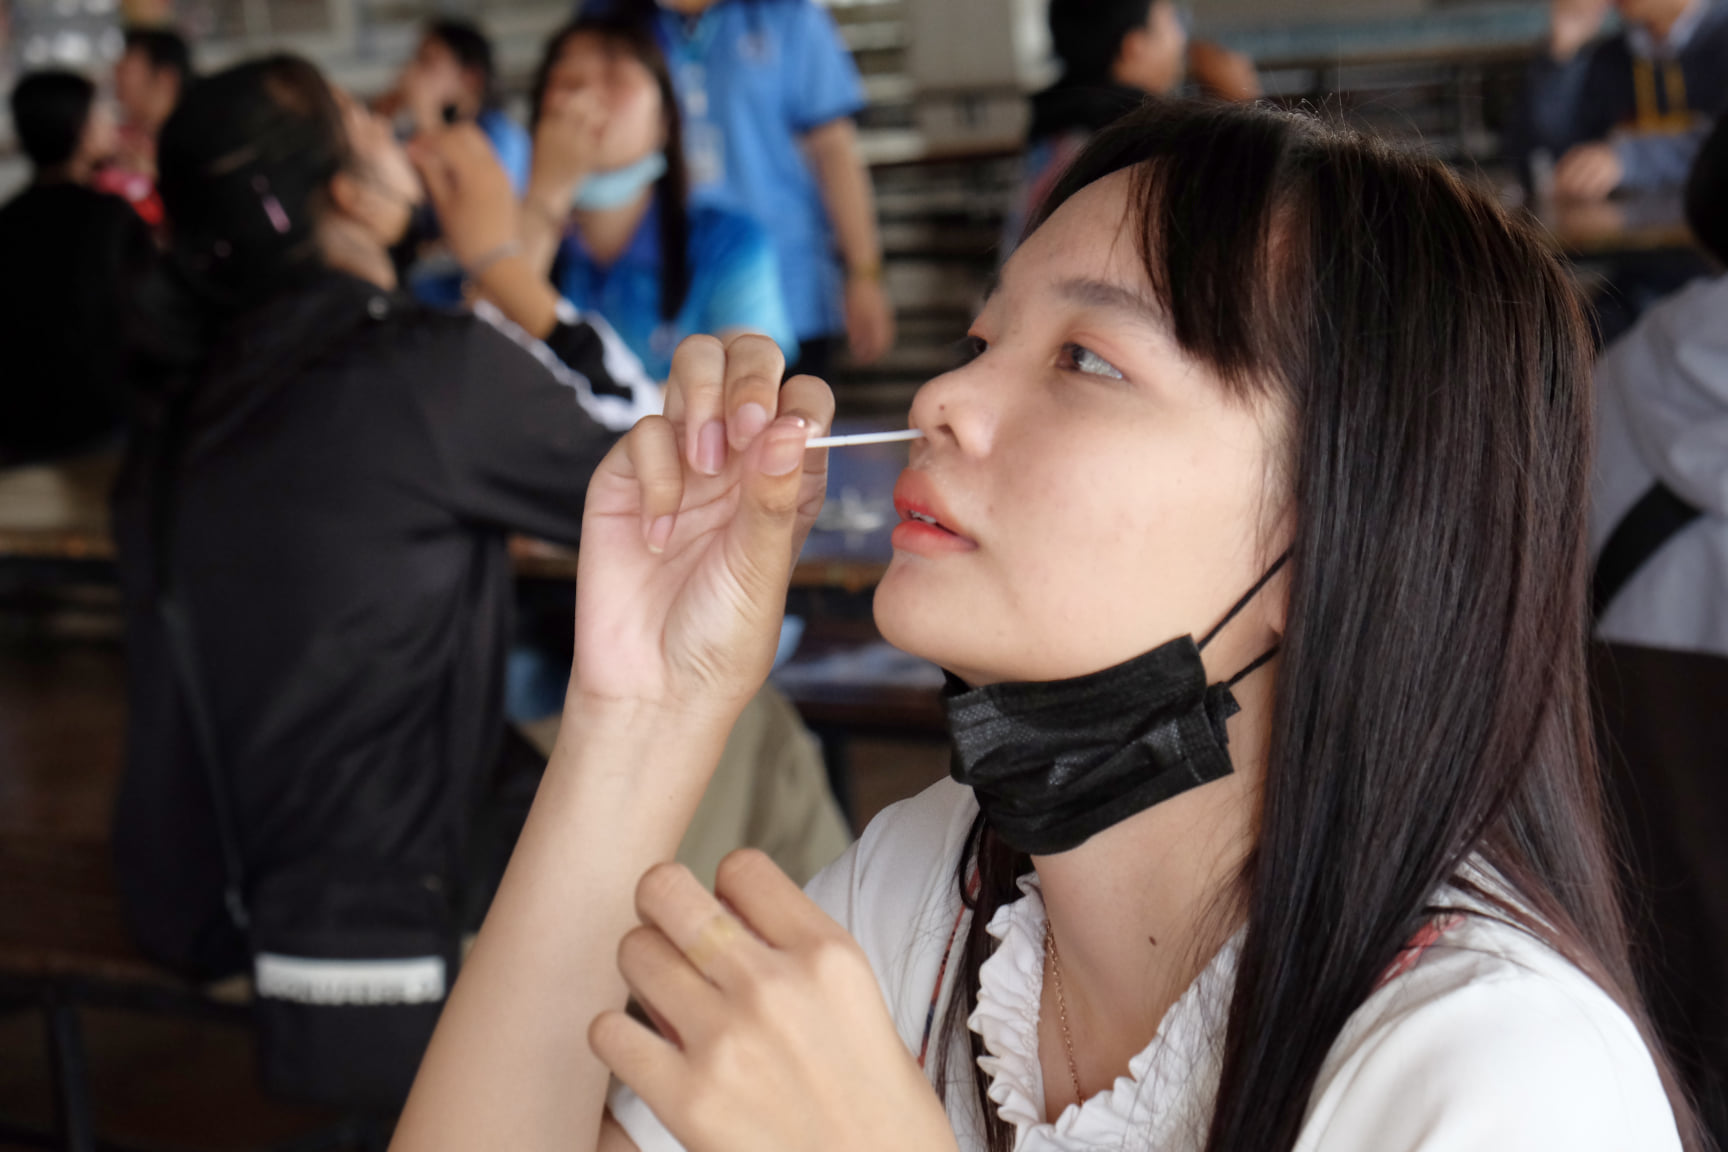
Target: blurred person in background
x,y
324,474
1114,54
607,209
1659,534
71,254
452,77
1629,110
769,96
151,75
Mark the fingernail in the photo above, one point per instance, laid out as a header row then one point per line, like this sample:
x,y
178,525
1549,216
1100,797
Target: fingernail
x,y
784,451
711,448
747,424
658,534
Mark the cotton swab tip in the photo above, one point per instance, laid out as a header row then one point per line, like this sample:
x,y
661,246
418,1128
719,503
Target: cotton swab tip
x,y
864,438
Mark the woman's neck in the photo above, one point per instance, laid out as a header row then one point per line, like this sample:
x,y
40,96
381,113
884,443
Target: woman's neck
x,y
348,247
1140,910
607,232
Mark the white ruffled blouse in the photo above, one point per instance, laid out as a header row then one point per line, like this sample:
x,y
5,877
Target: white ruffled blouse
x,y
1483,1040
1164,1102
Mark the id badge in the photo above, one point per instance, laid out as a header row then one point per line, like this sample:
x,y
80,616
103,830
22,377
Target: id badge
x,y
703,154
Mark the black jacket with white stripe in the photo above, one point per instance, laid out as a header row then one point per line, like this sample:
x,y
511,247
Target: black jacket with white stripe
x,y
338,480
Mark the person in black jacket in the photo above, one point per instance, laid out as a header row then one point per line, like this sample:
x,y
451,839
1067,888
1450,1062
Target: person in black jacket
x,y
69,253
322,481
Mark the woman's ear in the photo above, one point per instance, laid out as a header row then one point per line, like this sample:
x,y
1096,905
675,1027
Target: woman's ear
x,y
347,194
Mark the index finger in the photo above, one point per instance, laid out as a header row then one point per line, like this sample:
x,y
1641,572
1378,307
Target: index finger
x,y
769,902
711,938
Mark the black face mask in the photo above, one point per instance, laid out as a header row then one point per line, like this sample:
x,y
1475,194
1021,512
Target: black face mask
x,y
1053,764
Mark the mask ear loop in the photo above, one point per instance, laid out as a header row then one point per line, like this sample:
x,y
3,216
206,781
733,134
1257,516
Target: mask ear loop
x,y
1235,611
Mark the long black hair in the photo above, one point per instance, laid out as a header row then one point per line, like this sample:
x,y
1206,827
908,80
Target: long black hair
x,y
636,36
1431,705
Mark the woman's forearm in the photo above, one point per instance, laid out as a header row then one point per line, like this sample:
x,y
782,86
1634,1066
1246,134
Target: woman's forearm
x,y
509,1066
846,194
521,293
542,223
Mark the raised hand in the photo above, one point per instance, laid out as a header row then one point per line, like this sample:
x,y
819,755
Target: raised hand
x,y
1573,24
469,190
692,525
774,1036
566,141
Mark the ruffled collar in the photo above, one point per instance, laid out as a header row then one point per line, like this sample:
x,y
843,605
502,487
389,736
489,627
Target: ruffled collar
x,y
1165,1101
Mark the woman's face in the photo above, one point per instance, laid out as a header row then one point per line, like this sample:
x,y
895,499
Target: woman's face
x,y
440,75
388,187
628,95
1099,493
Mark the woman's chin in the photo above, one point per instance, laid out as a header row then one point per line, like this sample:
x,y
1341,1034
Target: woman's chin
x,y
917,623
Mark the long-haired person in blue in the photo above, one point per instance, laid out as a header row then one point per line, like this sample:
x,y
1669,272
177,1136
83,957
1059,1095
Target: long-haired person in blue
x,y
1253,539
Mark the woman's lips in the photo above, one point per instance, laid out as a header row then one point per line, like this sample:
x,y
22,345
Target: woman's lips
x,y
925,525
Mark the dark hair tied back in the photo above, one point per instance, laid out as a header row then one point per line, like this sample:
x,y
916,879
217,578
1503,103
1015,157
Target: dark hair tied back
x,y
245,163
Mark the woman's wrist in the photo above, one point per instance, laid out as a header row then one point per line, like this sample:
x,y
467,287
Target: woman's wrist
x,y
520,293
675,721
548,200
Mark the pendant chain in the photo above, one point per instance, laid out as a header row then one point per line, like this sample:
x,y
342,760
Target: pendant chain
x,y
1062,1011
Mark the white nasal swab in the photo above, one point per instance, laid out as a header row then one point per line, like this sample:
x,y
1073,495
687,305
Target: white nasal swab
x,y
864,438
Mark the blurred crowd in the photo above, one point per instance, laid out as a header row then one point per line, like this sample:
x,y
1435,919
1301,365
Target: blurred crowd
x,y
347,347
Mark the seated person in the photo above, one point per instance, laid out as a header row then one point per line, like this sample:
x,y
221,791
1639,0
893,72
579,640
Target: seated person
x,y
607,212
451,77
1114,53
149,79
70,254
1626,111
1659,532
324,474
1333,878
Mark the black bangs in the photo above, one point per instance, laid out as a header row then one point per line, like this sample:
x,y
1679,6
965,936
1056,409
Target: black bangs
x,y
1210,182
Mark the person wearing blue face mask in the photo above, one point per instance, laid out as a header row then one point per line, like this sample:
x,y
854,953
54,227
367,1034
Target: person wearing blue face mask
x,y
605,212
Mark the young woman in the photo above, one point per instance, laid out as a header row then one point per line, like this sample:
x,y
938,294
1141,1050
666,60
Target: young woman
x,y
606,209
452,76
326,446
1332,878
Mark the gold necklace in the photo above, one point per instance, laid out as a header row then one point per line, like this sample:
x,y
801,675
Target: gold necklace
x,y
1062,1010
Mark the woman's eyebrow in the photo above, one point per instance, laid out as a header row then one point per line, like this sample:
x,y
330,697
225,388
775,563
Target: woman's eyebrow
x,y
1104,296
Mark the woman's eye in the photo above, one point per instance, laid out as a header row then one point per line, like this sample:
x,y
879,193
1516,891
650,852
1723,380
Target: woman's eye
x,y
1085,360
970,349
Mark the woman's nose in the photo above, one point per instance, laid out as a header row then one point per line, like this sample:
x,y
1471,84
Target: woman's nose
x,y
951,410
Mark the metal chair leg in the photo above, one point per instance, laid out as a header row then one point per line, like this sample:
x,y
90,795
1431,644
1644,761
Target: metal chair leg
x,y
71,1074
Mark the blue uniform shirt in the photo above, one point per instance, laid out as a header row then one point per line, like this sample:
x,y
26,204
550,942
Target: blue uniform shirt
x,y
752,77
734,285
510,141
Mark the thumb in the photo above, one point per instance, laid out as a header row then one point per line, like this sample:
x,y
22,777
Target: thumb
x,y
761,535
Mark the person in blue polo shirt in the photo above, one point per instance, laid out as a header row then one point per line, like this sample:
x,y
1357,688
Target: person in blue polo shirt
x,y
769,93
606,213
451,77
